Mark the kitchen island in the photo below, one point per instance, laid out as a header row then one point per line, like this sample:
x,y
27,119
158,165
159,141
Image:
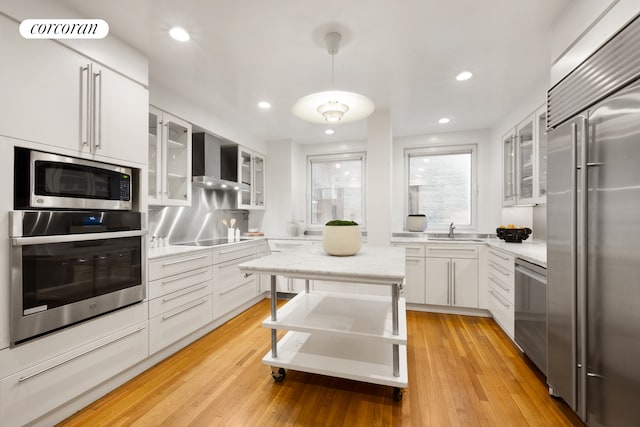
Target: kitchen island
x,y
357,337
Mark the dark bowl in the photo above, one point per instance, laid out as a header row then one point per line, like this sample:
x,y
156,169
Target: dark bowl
x,y
513,235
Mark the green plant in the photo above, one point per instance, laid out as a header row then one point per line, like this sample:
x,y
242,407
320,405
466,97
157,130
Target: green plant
x,y
341,222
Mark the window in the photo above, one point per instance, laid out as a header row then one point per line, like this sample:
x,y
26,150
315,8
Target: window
x,y
336,188
440,185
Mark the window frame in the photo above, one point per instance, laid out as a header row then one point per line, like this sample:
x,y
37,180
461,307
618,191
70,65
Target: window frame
x,y
445,150
332,157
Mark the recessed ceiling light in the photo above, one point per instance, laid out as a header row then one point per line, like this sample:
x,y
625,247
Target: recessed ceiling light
x,y
444,120
264,105
179,34
329,131
465,75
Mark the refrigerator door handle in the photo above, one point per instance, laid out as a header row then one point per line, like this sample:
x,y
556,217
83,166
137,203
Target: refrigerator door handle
x,y
582,271
573,268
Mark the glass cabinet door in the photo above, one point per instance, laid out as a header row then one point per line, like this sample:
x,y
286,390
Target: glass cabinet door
x,y
541,119
508,168
526,158
244,173
177,162
155,147
258,178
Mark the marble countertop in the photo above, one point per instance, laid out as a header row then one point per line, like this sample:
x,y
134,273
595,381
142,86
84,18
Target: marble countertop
x,y
534,251
382,265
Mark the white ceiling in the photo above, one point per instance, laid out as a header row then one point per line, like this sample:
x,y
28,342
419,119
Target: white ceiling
x,y
403,54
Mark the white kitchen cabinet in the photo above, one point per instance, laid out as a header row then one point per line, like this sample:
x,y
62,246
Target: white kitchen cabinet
x,y
180,299
414,282
34,391
452,275
62,99
509,168
169,142
231,288
251,172
524,151
501,288
541,137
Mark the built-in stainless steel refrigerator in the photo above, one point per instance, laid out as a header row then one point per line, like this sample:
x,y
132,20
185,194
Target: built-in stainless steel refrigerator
x,y
593,235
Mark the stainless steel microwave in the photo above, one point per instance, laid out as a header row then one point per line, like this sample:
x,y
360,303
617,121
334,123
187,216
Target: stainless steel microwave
x,y
51,181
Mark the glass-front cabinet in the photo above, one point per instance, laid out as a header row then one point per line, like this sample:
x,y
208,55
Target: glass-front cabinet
x,y
524,161
541,123
169,160
526,158
251,173
508,168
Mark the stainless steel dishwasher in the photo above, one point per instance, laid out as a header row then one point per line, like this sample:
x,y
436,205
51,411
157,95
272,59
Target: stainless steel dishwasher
x,y
531,312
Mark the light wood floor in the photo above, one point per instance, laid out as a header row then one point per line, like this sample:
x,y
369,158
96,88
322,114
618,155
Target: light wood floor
x,y
462,371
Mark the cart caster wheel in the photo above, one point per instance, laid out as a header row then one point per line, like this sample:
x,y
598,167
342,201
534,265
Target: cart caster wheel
x,y
278,374
397,394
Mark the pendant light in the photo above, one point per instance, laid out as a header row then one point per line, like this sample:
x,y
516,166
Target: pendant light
x,y
333,106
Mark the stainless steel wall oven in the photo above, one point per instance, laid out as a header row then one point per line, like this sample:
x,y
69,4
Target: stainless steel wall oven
x,y
70,266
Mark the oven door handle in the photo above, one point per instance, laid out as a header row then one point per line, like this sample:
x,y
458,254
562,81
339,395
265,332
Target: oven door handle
x,y
66,238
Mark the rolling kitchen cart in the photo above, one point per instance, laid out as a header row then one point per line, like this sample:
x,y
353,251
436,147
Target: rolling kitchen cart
x,y
357,337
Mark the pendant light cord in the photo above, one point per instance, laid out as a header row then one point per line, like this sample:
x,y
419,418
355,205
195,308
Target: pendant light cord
x,y
333,57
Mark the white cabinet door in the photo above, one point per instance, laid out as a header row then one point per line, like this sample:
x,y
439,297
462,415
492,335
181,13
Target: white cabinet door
x,y
526,160
438,276
40,83
121,115
414,286
258,181
251,172
169,146
509,168
464,282
541,137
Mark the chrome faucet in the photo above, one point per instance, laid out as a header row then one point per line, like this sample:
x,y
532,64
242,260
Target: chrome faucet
x,y
451,228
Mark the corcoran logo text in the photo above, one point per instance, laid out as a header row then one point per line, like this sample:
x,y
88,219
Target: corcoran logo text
x,y
64,28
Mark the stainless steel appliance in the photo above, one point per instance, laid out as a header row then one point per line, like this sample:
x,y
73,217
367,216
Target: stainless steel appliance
x,y
51,181
531,312
593,234
69,266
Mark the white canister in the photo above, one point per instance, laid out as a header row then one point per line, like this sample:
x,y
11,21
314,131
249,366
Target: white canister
x,y
416,222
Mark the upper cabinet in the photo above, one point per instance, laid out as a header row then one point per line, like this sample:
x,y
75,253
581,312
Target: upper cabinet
x,y
524,160
63,99
169,159
251,173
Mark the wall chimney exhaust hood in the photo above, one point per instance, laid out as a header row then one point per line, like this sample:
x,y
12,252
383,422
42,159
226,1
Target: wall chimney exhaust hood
x,y
213,167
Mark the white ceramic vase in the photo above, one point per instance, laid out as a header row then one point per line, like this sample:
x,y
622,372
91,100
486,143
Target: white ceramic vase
x,y
341,240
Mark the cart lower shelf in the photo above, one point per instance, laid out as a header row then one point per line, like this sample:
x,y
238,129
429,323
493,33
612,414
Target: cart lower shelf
x,y
342,357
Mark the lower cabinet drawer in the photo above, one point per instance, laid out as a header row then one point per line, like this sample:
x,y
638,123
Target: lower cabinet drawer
x,y
170,284
502,310
175,324
177,299
230,297
39,389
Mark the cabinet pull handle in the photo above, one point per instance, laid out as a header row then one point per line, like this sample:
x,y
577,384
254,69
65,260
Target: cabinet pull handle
x,y
85,97
35,374
97,117
450,249
448,282
499,283
453,282
499,269
199,303
166,264
189,291
412,260
499,298
499,256
228,251
229,290
164,282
